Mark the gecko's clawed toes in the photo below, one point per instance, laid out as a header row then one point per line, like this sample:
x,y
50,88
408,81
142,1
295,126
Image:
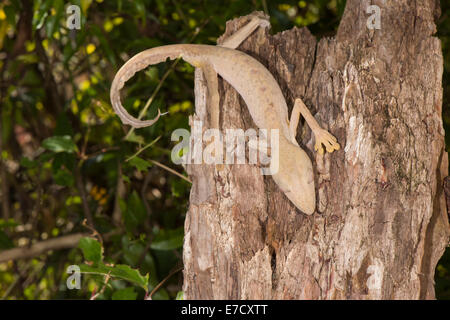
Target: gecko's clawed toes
x,y
327,140
263,21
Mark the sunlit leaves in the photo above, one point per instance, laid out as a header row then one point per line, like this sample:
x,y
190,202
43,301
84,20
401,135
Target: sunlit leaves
x,y
139,163
93,253
42,8
59,144
180,295
92,250
120,271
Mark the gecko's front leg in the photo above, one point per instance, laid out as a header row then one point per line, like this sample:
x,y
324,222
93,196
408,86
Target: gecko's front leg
x,y
257,20
322,136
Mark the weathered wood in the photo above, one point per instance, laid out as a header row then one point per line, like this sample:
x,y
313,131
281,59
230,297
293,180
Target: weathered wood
x,y
381,222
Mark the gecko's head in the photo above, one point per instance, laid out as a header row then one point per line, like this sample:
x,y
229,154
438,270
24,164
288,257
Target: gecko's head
x,y
295,177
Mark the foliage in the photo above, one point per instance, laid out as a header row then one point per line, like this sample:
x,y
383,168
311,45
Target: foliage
x,y
66,156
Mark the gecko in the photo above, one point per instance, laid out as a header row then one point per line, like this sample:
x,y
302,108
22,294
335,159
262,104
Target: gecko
x,y
260,92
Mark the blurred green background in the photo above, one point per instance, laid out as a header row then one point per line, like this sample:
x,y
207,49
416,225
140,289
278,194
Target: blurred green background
x,y
67,157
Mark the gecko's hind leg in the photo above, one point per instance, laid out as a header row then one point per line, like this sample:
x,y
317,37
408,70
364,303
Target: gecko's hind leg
x,y
322,136
293,123
239,36
212,85
213,101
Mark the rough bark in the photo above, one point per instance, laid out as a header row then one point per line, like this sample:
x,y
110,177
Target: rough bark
x,y
381,223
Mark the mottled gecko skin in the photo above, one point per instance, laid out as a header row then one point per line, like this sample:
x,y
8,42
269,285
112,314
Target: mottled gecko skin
x,y
264,100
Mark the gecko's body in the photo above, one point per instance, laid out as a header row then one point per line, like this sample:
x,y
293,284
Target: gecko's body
x,y
262,95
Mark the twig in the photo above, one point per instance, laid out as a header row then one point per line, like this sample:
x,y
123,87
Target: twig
x,y
69,241
170,170
120,193
144,148
266,10
107,277
96,153
149,297
94,232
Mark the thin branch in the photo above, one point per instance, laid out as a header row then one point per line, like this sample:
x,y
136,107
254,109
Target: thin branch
x,y
144,148
162,282
265,8
94,232
95,295
38,248
159,164
120,193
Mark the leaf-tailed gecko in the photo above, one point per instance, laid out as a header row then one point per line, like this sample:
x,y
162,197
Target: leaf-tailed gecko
x,y
262,95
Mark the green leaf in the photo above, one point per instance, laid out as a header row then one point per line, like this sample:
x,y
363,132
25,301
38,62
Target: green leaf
x,y
133,137
27,163
132,253
140,8
10,12
180,295
135,213
168,239
126,179
65,159
92,249
63,178
5,241
125,294
10,223
127,273
52,22
59,144
120,271
139,163
29,58
41,14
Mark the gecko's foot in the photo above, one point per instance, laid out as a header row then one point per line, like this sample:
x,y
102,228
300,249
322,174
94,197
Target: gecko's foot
x,y
323,137
262,19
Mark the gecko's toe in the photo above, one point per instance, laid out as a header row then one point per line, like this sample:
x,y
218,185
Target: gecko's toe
x,y
327,140
318,147
263,20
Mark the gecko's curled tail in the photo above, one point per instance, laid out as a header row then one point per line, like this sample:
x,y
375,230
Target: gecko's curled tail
x,y
135,64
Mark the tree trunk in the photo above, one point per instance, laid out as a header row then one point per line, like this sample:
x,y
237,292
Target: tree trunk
x,y
381,223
